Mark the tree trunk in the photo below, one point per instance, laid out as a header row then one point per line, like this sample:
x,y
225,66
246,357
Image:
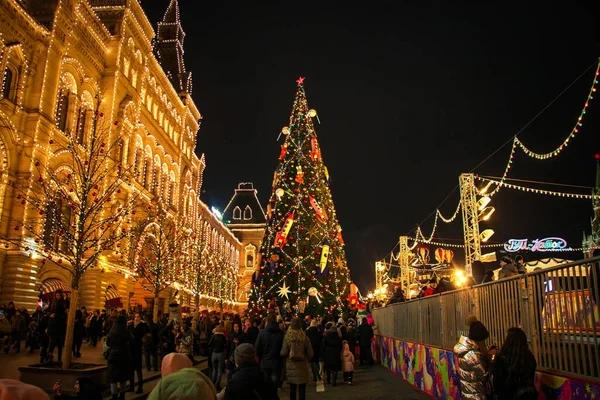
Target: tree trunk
x,y
197,301
155,310
68,348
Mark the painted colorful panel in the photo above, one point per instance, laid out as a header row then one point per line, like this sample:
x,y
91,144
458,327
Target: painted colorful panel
x,y
435,372
432,370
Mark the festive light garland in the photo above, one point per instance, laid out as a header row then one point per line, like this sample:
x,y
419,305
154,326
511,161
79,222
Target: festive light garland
x,y
544,156
535,190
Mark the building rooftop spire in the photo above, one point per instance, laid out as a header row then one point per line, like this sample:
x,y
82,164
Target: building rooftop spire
x,y
169,49
172,14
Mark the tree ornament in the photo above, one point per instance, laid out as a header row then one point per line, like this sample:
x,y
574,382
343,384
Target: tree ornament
x,y
284,291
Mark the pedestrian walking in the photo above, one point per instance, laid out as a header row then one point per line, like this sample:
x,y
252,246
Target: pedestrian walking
x,y
118,341
347,362
332,349
297,351
514,368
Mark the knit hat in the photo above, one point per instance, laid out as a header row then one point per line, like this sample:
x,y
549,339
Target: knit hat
x,y
340,320
296,324
477,331
16,390
506,259
173,362
187,383
244,353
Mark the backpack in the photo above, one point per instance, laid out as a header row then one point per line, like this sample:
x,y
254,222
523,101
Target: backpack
x,y
297,351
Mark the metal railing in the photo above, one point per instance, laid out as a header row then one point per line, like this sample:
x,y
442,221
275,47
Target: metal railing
x,y
556,307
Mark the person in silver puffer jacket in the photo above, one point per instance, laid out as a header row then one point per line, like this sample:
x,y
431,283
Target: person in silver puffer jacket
x,y
472,362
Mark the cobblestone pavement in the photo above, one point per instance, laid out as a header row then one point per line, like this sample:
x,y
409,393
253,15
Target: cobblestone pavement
x,y
371,383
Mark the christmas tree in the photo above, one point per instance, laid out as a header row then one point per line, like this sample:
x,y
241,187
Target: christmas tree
x,y
302,256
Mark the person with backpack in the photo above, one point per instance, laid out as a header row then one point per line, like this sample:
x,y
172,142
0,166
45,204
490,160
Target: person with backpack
x,y
297,350
514,369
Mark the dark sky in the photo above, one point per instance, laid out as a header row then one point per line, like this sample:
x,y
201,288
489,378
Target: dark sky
x,y
409,97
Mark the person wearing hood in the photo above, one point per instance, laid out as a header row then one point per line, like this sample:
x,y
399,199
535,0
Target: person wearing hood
x,y
348,362
187,383
85,389
332,348
248,378
173,362
297,350
119,341
472,361
508,268
218,347
268,346
316,341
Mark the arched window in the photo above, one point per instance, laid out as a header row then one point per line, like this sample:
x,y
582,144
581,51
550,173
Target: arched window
x,y
163,185
247,213
237,213
138,167
156,180
81,125
147,173
7,84
171,191
62,109
57,228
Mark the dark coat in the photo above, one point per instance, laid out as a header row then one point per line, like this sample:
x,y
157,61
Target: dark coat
x,y
119,357
352,338
365,334
332,351
268,345
218,343
250,382
136,345
152,345
252,333
505,384
316,341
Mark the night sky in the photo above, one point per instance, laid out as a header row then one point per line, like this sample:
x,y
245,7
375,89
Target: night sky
x,y
409,97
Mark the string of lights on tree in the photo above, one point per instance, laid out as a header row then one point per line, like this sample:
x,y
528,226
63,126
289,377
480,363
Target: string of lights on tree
x,y
302,257
44,147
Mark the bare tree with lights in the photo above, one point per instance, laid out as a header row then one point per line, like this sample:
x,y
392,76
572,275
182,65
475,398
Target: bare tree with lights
x,y
158,252
77,205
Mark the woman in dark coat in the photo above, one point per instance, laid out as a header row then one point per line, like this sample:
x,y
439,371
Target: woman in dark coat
x,y
332,351
316,341
78,333
138,329
119,358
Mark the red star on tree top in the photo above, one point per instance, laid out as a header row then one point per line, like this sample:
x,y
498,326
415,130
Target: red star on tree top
x,y
300,80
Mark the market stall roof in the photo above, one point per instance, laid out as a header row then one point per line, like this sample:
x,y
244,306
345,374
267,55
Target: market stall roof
x,y
51,285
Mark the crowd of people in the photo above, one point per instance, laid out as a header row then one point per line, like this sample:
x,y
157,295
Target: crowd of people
x,y
248,357
245,354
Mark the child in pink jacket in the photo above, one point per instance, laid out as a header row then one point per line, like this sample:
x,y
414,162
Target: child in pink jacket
x,y
347,363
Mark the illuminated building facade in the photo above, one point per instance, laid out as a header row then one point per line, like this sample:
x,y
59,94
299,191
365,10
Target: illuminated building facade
x,y
246,218
62,61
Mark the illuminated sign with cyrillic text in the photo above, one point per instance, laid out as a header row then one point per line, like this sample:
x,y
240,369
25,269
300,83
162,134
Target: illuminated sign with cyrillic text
x,y
547,244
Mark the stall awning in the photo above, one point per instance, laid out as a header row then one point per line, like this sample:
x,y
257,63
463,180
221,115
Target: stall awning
x,y
51,285
112,293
